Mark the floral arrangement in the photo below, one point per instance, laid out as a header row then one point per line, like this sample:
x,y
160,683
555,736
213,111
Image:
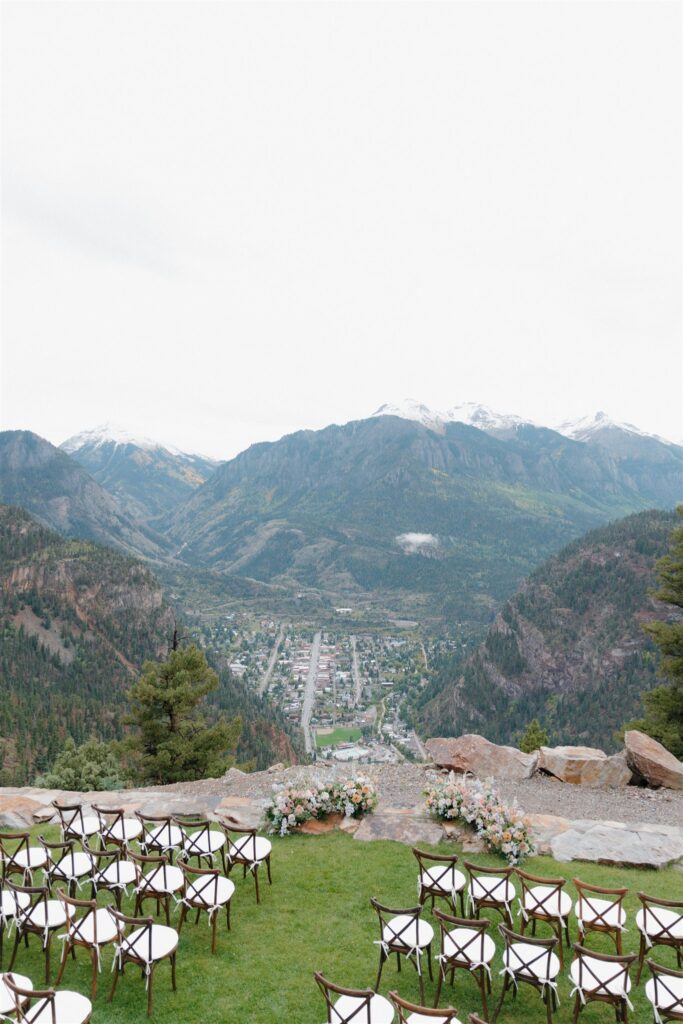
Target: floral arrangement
x,y
291,806
504,829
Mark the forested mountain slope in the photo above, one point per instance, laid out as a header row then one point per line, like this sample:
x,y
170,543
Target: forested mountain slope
x,y
568,648
77,620
444,523
147,479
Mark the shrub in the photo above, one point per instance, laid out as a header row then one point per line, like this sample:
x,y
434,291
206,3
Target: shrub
x,y
503,829
291,806
91,766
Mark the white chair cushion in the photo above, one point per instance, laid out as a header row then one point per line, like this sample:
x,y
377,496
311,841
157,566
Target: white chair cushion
x,y
107,927
123,872
34,857
9,903
163,880
73,866
89,827
419,933
420,1018
207,842
70,1008
557,904
603,971
475,943
167,836
381,1010
605,912
209,893
671,920
246,846
56,915
671,1000
529,961
491,887
7,1001
446,880
125,831
164,942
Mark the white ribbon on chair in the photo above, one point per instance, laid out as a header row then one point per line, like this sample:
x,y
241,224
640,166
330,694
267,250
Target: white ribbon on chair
x,y
582,995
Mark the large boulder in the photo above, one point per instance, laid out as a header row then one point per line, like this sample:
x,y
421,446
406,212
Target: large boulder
x,y
648,758
472,753
585,766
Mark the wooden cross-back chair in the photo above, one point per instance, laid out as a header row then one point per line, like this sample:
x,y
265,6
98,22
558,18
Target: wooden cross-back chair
x,y
206,891
660,923
74,823
413,1013
96,928
352,1005
45,1006
490,888
532,962
403,932
110,872
465,946
41,916
664,990
9,901
438,878
543,900
18,857
600,910
160,835
65,864
8,1001
199,839
115,828
146,946
599,977
244,846
159,882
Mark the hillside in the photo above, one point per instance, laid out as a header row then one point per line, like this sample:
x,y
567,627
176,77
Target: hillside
x,y
147,479
386,510
77,621
63,496
568,648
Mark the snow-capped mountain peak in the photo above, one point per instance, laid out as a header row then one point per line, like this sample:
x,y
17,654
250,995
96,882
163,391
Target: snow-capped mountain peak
x,y
473,414
586,427
110,433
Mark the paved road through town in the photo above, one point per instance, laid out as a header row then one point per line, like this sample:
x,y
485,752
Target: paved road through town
x,y
265,678
309,694
355,670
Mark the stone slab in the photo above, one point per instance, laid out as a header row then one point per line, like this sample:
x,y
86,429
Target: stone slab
x,y
400,824
623,847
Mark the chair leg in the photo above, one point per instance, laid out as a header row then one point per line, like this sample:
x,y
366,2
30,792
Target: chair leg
x,y
258,898
577,1009
168,910
429,961
93,989
213,932
62,963
117,971
641,959
227,913
549,1007
506,982
173,984
439,983
379,973
149,991
47,958
270,877
422,984
183,915
17,940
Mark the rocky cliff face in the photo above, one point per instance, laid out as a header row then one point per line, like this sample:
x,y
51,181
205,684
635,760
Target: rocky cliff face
x,y
569,648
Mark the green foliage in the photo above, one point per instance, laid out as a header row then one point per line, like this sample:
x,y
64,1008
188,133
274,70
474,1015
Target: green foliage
x,y
534,736
91,766
171,741
664,705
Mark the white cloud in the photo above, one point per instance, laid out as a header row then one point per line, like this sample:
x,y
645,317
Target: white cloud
x,y
416,543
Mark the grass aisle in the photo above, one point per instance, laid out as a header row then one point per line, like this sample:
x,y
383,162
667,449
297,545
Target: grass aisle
x,y
317,916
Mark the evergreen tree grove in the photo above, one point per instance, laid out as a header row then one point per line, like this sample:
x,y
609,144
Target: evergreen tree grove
x,y
664,705
171,741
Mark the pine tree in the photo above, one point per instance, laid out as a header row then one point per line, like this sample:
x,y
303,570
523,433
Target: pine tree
x,y
664,705
534,737
172,742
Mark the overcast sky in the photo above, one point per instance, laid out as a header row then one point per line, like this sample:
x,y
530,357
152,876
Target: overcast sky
x,y
226,221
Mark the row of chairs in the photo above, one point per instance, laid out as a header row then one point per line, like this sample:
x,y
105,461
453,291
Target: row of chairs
x,y
465,944
151,873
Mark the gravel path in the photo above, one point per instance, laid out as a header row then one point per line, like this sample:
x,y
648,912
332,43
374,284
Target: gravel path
x,y
402,785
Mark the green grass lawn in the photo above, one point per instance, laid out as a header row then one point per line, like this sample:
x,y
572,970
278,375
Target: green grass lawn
x,y
340,735
317,916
